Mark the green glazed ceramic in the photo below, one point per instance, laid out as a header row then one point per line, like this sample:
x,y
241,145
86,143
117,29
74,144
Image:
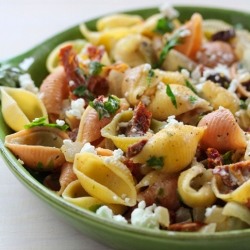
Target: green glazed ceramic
x,y
109,233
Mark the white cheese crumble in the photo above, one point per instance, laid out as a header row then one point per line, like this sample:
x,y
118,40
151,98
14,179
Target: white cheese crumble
x,y
71,83
185,73
77,108
184,33
209,210
172,121
233,85
167,10
20,161
118,154
107,213
88,148
145,100
26,63
27,83
149,217
146,67
60,122
161,85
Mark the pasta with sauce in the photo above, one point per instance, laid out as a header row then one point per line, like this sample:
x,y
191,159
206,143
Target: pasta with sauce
x,y
146,121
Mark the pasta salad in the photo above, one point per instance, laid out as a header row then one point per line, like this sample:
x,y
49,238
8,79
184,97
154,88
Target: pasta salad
x,y
142,121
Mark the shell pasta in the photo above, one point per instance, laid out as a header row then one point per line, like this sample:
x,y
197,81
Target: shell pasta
x,y
146,120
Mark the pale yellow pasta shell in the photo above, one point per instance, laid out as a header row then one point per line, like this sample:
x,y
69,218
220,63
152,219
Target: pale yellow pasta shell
x,y
74,193
211,26
117,20
53,60
219,96
176,144
240,194
162,107
20,107
105,178
110,131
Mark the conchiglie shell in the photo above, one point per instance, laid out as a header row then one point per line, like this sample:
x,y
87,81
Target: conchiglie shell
x,y
134,50
20,107
241,193
175,59
176,144
212,26
105,178
74,193
90,125
117,20
162,107
218,96
223,132
110,131
54,90
108,38
53,60
135,83
38,147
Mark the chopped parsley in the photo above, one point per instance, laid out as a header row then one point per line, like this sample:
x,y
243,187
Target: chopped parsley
x,y
95,207
171,43
243,104
171,95
163,26
189,85
151,74
160,192
192,99
105,109
41,122
156,163
82,91
227,158
95,68
9,75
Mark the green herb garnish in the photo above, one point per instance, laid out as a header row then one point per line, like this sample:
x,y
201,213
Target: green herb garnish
x,y
9,75
243,104
171,95
105,109
227,157
151,74
171,43
41,122
192,99
156,163
95,207
95,68
160,192
82,91
164,25
189,85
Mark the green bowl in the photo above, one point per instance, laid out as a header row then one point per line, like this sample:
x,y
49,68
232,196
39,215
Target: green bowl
x,y
110,233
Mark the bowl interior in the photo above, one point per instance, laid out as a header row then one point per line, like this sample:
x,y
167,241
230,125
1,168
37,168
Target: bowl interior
x,y
108,232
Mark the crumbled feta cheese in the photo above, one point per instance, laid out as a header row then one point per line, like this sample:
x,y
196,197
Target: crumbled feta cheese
x,y
107,213
196,74
26,63
149,217
172,121
185,73
88,148
77,108
41,96
107,159
27,83
167,10
146,67
60,122
71,83
233,86
118,153
161,85
20,161
145,100
209,210
184,33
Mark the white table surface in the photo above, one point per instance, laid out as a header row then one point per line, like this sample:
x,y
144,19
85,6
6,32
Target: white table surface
x,y
25,222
